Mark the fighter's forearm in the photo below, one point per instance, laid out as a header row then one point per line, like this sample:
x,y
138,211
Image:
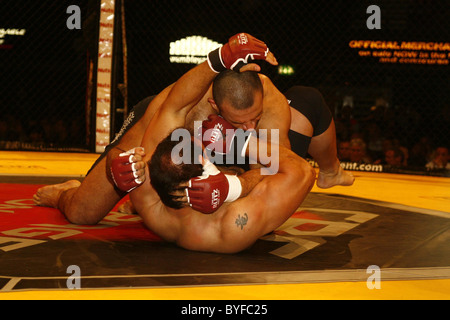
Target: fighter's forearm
x,y
265,154
249,180
190,88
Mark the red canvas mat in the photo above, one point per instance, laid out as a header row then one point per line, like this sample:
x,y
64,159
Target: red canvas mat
x,y
19,217
330,238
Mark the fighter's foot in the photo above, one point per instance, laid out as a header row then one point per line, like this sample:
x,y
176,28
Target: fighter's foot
x,y
48,196
127,208
340,178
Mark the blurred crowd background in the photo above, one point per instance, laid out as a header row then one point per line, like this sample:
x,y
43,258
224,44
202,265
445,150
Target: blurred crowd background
x,y
394,113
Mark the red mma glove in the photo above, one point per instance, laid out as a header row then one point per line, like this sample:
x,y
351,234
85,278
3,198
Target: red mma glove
x,y
126,172
241,49
220,136
209,191
217,134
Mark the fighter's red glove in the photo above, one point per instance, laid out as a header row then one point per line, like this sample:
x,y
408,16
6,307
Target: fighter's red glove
x,y
241,49
220,136
124,170
209,191
217,134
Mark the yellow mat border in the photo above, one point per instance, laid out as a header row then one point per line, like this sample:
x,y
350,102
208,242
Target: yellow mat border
x,y
389,290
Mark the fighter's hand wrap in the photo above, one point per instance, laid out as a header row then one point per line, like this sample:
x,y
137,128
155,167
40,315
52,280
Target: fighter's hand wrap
x,y
209,191
241,49
124,172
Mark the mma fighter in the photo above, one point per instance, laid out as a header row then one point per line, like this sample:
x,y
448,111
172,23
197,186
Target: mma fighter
x,y
77,203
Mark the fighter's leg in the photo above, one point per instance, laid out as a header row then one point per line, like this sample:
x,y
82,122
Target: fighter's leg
x,y
323,149
48,196
311,119
90,201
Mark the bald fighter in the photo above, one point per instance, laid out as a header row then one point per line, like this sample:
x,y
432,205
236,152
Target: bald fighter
x,y
79,203
235,225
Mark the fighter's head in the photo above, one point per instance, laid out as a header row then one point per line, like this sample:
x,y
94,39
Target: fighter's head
x,y
166,176
239,98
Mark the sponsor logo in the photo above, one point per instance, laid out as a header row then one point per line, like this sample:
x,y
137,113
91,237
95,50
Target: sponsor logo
x,y
242,38
215,198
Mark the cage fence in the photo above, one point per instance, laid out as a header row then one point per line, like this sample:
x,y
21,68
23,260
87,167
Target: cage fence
x,y
387,85
43,81
387,88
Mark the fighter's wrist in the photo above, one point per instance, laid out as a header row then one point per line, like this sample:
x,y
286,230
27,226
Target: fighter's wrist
x,y
234,188
215,61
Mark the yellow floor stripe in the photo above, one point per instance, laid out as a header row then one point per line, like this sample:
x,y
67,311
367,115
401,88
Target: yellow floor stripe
x,y
45,164
415,191
392,290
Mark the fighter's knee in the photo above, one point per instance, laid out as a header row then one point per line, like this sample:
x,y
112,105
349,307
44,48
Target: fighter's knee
x,y
313,95
78,215
308,93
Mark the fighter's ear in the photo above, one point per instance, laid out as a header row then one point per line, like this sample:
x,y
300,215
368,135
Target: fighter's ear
x,y
213,105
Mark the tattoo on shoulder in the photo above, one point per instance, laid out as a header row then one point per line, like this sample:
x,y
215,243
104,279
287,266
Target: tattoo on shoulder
x,y
241,221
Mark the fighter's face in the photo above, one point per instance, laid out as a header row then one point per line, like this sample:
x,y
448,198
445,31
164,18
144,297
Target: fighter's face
x,y
245,119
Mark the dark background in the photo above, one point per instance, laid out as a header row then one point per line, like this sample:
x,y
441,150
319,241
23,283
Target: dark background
x,y
43,75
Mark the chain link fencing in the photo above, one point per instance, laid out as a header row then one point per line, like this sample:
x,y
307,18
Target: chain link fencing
x,y
44,76
384,74
388,87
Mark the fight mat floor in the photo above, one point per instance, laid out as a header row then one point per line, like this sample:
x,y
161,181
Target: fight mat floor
x,y
385,237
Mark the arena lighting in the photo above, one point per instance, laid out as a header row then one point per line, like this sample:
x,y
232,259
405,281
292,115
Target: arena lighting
x,y
192,49
286,70
10,32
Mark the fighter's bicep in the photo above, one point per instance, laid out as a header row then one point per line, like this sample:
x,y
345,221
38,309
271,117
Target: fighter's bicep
x,y
241,226
273,200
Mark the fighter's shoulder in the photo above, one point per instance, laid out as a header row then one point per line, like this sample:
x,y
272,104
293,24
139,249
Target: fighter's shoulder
x,y
267,83
276,107
271,92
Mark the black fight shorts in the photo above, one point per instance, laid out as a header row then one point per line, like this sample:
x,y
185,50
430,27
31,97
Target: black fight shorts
x,y
309,102
134,116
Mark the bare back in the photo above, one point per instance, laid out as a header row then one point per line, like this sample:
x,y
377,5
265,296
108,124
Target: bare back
x,y
237,225
234,226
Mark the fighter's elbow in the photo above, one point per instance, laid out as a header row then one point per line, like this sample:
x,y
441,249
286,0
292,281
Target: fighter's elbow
x,y
311,176
306,176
